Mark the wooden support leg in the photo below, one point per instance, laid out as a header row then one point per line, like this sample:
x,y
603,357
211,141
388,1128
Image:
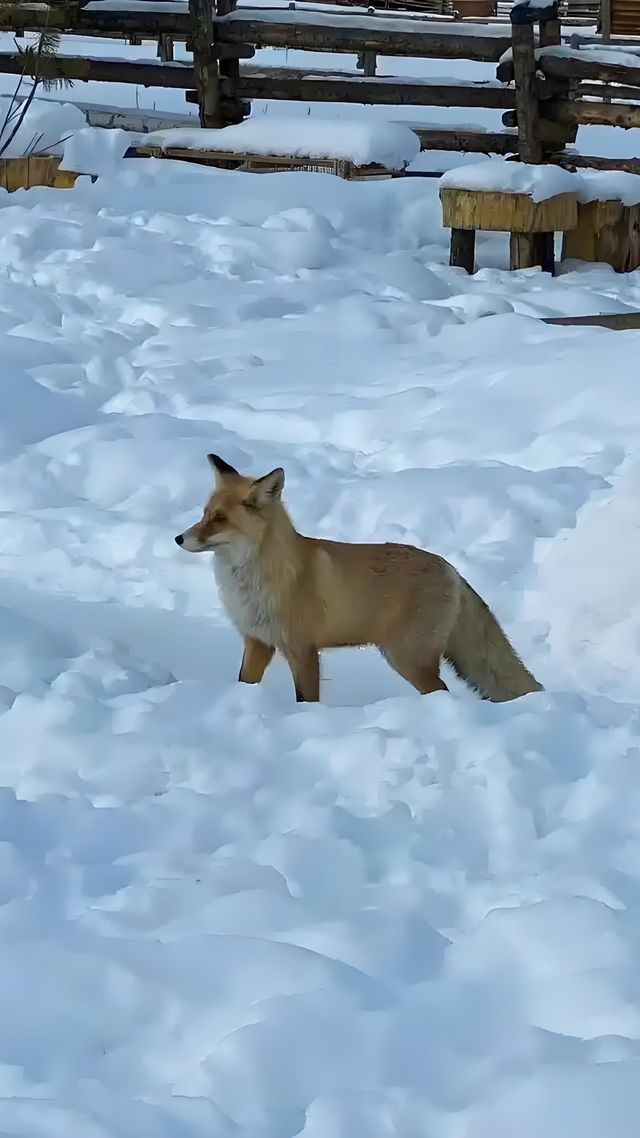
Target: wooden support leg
x,y
528,250
463,249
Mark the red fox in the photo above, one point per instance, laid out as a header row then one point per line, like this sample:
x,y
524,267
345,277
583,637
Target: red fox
x,y
301,594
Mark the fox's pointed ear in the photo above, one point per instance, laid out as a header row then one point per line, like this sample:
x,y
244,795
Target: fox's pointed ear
x,y
267,489
220,468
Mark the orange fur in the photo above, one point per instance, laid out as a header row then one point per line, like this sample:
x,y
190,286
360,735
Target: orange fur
x,y
298,595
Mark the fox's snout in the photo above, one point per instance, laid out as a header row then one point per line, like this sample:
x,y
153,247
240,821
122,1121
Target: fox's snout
x,y
180,539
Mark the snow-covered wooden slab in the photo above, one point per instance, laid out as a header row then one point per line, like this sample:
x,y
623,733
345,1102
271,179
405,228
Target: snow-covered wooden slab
x,y
385,144
499,176
542,182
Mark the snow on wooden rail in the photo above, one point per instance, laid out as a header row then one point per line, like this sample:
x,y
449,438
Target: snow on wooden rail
x,y
142,73
387,145
306,85
308,31
142,19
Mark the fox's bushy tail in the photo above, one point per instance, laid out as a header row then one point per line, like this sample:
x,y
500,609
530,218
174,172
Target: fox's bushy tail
x,y
481,654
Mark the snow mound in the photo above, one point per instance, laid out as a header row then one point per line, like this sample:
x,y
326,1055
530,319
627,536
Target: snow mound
x,y
223,915
364,143
499,175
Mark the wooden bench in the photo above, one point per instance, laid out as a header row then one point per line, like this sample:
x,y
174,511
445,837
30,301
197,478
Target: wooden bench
x,y
531,224
263,164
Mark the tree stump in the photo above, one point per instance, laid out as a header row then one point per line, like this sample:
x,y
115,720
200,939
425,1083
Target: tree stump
x,y
607,231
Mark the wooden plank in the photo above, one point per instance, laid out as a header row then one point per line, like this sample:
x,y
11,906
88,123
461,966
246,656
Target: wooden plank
x,y
234,159
608,91
82,69
618,321
303,85
506,212
31,171
524,70
101,21
574,67
418,42
585,113
624,17
467,141
569,160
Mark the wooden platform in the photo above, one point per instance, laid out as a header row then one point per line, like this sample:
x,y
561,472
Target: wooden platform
x,y
26,173
531,224
263,164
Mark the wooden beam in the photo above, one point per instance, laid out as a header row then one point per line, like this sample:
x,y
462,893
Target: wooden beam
x,y
608,91
583,113
303,85
572,67
352,38
617,321
572,161
82,69
100,20
467,141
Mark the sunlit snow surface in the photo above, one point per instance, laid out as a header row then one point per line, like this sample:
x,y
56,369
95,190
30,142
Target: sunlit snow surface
x,y
386,916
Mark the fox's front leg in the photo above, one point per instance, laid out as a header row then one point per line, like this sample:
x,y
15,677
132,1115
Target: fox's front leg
x,y
255,660
305,669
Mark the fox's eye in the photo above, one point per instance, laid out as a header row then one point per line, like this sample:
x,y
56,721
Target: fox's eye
x,y
250,505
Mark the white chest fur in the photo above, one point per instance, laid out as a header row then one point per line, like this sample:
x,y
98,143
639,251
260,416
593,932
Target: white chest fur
x,y
249,607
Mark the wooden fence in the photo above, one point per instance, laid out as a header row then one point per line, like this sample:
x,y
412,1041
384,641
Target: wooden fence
x,y
544,88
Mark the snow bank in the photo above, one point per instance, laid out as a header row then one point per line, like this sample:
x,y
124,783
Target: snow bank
x,y
364,143
95,150
223,915
44,129
540,182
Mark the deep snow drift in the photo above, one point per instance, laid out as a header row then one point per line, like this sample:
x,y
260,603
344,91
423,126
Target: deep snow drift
x,y
226,916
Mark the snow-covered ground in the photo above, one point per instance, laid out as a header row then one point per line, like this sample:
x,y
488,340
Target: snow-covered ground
x,y
223,915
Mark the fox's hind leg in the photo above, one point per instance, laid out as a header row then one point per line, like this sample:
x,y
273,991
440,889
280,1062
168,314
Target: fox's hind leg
x,y
423,673
255,661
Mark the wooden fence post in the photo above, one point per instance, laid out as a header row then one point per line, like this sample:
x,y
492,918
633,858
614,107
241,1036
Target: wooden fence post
x,y
528,249
205,65
605,20
229,55
524,74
